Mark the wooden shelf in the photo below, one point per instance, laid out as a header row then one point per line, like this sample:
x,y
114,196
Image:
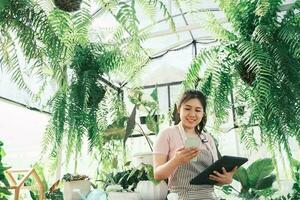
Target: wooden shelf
x,y
17,185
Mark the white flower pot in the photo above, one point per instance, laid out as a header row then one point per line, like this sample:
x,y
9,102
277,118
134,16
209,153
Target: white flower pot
x,y
72,189
124,196
150,191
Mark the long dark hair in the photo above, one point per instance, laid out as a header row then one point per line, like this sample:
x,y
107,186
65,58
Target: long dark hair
x,y
195,94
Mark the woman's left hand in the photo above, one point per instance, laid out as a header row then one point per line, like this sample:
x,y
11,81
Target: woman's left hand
x,y
224,178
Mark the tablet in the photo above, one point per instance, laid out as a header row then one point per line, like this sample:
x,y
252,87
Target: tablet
x,y
229,162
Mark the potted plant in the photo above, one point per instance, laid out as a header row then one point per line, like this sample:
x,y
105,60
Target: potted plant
x,y
121,185
135,183
68,5
75,186
151,189
256,180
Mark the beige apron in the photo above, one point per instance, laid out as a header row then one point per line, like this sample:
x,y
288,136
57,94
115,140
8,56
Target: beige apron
x,y
180,182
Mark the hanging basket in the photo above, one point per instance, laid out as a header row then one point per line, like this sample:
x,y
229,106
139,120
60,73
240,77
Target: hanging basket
x,y
247,75
68,5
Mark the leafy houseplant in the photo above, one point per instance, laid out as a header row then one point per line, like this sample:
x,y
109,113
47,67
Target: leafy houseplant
x,y
149,106
152,188
152,120
258,59
76,182
140,179
129,178
4,192
256,180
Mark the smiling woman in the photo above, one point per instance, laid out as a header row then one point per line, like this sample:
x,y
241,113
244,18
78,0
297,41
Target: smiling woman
x,y
182,151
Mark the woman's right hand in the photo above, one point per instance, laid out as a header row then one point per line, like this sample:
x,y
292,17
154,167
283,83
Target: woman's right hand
x,y
184,154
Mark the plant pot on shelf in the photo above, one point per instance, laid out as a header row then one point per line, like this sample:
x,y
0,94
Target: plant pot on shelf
x,y
73,189
149,191
68,5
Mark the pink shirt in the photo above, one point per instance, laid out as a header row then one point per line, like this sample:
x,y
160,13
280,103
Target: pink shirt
x,y
169,140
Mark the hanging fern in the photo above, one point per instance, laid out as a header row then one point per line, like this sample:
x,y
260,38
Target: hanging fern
x,y
24,24
74,110
264,59
205,55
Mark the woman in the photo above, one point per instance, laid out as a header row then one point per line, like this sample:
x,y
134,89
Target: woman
x,y
180,164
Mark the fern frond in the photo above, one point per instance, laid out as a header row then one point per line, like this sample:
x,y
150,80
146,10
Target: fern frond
x,y
262,8
149,9
165,11
241,14
204,56
267,12
9,61
221,96
61,23
215,27
260,63
127,18
290,35
46,5
81,22
263,34
248,138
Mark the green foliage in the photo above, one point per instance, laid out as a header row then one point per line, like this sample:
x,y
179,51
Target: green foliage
x,y
151,107
69,177
258,60
129,178
75,107
24,25
257,179
3,4
55,195
4,192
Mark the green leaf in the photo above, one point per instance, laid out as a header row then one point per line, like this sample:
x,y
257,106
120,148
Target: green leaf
x,y
242,177
265,182
259,170
154,94
3,3
130,124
